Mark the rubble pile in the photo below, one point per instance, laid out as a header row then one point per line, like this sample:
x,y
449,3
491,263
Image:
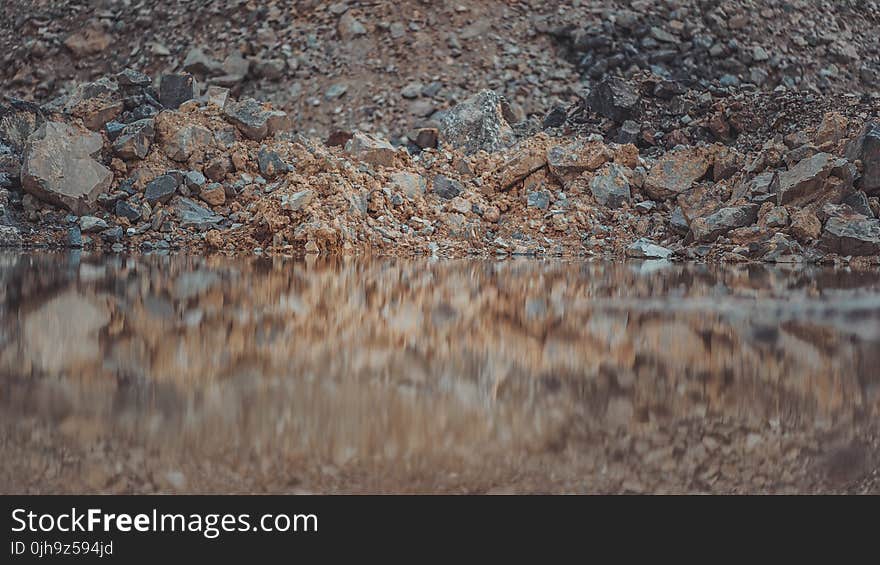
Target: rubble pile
x,y
128,165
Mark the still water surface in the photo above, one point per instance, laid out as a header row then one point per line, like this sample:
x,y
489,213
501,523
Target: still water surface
x,y
187,374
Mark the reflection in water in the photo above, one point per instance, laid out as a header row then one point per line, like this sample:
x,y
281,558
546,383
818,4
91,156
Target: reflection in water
x,y
212,375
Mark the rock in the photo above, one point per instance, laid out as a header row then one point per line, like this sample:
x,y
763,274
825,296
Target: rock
x,y
216,95
91,224
447,188
135,140
556,117
803,183
858,201
647,249
199,63
190,214
74,237
539,199
297,201
629,132
255,121
410,184
708,229
676,172
126,210
269,69
522,164
18,121
218,168
569,161
88,41
271,164
678,222
214,194
371,149
133,78
350,27
615,99
411,91
175,89
851,235
427,138
335,91
866,148
832,129
161,189
113,235
611,188
235,69
776,217
781,249
187,140
194,181
9,237
58,167
805,226
478,123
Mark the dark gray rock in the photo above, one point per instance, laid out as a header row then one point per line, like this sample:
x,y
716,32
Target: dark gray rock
x,y
611,188
538,199
858,201
615,99
271,164
126,210
131,77
175,89
447,188
113,235
135,140
711,227
866,148
192,215
851,235
161,189
74,237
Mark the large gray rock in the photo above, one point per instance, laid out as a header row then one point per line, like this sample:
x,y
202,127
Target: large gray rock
x,y
611,188
646,249
58,167
254,121
803,182
190,214
161,189
866,148
711,227
478,123
851,234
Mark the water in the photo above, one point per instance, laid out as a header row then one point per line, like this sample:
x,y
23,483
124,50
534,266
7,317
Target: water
x,y
185,374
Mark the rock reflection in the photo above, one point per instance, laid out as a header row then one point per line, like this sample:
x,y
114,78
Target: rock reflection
x,y
167,373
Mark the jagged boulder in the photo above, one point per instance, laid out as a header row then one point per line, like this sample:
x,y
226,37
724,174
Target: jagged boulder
x,y
478,123
59,168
